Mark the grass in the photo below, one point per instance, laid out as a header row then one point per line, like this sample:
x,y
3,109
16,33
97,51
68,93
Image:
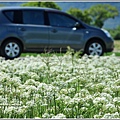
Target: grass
x,y
41,54
116,48
117,44
110,53
116,51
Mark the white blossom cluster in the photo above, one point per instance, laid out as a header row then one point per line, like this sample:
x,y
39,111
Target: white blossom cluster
x,y
60,87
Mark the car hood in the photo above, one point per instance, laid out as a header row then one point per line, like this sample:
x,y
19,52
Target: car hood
x,y
90,27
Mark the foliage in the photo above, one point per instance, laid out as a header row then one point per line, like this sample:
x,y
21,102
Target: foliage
x,y
42,4
96,15
115,33
60,87
50,5
32,4
101,12
117,36
1,5
81,15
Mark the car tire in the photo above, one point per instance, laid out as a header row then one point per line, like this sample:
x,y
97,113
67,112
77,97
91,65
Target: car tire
x,y
11,49
95,47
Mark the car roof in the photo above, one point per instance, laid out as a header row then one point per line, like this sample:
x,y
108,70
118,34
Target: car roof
x,y
27,8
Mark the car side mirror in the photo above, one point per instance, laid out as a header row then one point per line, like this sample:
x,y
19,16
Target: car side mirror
x,y
77,25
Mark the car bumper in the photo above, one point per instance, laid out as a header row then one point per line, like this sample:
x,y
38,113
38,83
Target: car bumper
x,y
110,45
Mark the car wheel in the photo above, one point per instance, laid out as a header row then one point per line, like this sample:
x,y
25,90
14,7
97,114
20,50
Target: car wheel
x,y
95,47
11,49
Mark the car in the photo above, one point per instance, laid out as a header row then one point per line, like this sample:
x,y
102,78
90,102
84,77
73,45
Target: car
x,y
37,29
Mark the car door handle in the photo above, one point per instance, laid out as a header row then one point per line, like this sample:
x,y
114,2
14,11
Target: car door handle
x,y
22,29
54,30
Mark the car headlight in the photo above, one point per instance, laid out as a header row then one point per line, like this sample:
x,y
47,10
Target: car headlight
x,y
106,32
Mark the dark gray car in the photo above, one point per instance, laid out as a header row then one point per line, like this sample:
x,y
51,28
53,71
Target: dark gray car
x,y
34,29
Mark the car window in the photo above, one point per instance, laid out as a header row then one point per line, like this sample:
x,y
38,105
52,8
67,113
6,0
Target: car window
x,y
61,20
14,16
9,15
33,17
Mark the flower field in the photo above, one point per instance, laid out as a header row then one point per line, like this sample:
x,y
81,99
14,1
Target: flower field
x,y
60,87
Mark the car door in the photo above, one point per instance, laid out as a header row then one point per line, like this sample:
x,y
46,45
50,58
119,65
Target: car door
x,y
33,30
62,32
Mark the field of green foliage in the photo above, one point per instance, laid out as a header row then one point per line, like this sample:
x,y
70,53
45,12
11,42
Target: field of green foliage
x,y
60,87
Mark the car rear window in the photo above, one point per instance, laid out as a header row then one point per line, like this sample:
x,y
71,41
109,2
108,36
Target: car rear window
x,y
25,16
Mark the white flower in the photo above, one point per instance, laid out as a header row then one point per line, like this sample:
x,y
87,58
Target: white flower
x,y
30,103
10,109
59,116
71,90
110,107
97,116
90,81
84,108
110,116
74,101
116,101
100,100
107,96
116,115
108,90
46,115
31,82
31,89
64,91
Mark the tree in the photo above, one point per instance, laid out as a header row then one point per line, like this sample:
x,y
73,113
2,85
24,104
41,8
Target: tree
x,y
32,4
101,12
115,33
50,5
1,5
42,4
79,14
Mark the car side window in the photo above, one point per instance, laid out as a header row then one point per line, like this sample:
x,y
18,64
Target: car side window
x,y
33,17
60,20
15,16
9,15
